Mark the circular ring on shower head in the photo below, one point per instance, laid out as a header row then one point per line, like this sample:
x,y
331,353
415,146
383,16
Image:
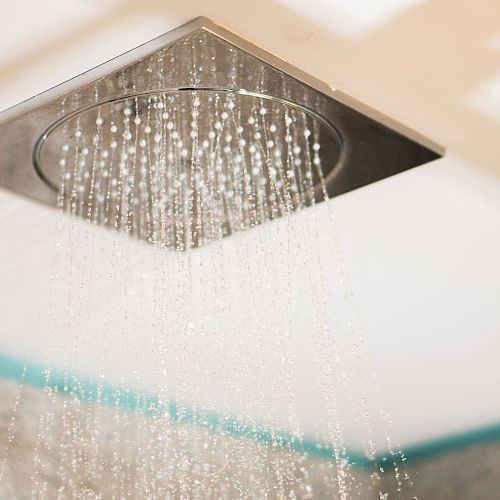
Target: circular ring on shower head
x,y
189,164
328,137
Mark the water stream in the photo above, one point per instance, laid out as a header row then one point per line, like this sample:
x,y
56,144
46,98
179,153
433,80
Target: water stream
x,y
195,347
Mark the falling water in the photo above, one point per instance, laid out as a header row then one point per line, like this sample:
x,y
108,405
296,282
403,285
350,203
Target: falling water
x,y
150,166
210,275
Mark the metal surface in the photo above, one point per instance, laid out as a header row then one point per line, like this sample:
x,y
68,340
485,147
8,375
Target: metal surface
x,y
372,147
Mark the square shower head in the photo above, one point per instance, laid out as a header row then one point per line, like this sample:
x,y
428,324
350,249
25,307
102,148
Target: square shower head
x,y
195,135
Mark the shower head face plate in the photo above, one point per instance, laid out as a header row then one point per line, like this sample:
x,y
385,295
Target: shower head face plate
x,y
186,167
313,142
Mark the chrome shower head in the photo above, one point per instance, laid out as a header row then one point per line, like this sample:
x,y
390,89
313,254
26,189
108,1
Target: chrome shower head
x,y
195,135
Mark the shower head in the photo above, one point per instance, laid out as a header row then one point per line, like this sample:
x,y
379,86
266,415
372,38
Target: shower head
x,y
195,135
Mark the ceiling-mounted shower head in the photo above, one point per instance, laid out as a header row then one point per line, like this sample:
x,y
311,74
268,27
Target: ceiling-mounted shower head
x,y
193,136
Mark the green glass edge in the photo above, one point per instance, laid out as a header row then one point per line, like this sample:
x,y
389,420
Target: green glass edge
x,y
89,390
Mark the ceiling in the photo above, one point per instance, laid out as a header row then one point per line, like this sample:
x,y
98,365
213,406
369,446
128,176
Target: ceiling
x,y
420,249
